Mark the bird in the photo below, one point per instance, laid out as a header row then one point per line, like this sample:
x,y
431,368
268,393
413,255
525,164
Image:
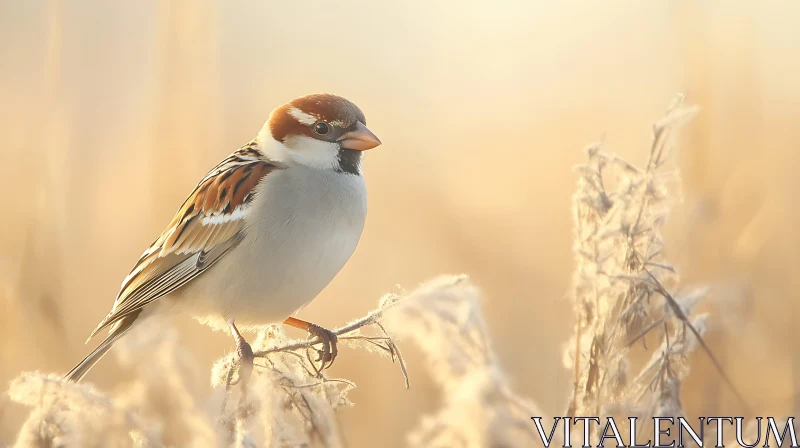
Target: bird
x,y
260,236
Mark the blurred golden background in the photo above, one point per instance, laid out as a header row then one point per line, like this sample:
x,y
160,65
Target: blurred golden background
x,y
111,111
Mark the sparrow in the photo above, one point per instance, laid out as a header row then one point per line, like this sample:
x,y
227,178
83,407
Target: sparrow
x,y
260,235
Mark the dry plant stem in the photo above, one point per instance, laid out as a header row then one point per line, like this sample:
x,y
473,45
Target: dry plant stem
x,y
349,332
571,411
678,311
443,319
620,270
288,401
384,342
228,383
644,333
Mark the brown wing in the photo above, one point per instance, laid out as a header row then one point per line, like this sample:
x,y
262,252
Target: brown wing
x,y
207,226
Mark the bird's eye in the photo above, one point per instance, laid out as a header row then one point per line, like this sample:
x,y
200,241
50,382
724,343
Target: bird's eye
x,y
321,128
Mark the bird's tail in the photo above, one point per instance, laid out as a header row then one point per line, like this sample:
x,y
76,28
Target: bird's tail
x,y
83,367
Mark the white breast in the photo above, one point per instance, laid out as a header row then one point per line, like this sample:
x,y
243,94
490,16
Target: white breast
x,y
304,225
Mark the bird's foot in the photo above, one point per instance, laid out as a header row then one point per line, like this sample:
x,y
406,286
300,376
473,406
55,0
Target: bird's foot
x,y
329,342
322,336
245,354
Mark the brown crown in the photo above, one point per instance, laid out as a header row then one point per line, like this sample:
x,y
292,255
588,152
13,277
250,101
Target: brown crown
x,y
322,106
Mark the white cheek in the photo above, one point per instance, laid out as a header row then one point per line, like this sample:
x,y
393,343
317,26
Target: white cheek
x,y
313,153
274,150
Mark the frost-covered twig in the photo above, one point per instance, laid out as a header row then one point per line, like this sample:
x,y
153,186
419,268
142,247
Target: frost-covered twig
x,y
289,391
73,415
290,403
678,312
351,333
443,318
622,282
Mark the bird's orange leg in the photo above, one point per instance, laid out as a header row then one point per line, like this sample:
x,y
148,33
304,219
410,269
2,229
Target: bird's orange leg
x,y
326,337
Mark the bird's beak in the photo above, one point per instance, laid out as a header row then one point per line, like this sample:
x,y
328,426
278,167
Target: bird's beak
x,y
359,139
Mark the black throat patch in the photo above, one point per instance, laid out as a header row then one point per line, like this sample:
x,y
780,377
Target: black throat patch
x,y
349,161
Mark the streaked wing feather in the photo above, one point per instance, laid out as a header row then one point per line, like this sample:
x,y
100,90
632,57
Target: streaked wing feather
x,y
207,226
176,276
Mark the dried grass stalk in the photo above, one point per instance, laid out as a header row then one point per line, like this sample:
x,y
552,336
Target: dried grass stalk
x,y
622,281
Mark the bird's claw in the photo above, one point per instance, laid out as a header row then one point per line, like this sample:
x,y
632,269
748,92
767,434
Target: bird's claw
x,y
329,342
246,359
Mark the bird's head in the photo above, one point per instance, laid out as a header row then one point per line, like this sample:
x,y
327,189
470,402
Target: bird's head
x,y
321,131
